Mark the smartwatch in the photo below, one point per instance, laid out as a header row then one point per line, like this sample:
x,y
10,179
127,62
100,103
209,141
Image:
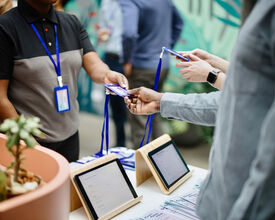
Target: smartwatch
x,y
212,76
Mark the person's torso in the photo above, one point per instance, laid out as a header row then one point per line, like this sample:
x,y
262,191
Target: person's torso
x,y
154,31
247,95
31,88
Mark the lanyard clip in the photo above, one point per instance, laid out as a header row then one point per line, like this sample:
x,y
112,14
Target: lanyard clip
x,y
162,52
60,83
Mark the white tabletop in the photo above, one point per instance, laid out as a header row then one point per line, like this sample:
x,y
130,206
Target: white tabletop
x,y
152,195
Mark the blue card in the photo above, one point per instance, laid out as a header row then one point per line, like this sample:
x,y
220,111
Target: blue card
x,y
62,98
176,54
117,89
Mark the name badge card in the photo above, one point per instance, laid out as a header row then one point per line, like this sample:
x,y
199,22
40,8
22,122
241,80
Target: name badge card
x,y
161,159
117,89
62,98
104,188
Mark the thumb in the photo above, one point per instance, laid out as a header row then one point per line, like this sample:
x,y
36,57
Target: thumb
x,y
134,92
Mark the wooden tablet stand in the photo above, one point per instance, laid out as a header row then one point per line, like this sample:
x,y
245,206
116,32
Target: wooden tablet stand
x,y
91,165
145,168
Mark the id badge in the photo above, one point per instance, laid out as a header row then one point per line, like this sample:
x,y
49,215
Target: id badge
x,y
62,98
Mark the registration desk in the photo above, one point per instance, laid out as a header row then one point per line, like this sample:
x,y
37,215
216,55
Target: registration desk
x,y
152,195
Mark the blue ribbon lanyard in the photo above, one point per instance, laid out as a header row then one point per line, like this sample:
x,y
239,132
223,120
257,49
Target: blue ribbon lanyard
x,y
150,117
105,128
56,66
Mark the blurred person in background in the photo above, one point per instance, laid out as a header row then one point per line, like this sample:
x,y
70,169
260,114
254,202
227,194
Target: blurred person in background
x,y
89,93
5,5
110,39
31,37
147,27
240,183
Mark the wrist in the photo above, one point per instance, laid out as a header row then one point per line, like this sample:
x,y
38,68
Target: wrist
x,y
157,102
212,76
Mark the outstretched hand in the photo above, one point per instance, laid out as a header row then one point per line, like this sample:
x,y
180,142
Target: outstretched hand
x,y
116,78
144,101
196,70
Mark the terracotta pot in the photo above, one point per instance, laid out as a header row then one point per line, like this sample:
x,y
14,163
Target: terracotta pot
x,y
51,201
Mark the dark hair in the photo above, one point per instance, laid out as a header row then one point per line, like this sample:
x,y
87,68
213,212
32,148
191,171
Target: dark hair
x,y
247,7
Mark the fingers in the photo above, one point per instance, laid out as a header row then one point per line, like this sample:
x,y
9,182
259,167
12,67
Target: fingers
x,y
184,64
134,92
194,57
123,82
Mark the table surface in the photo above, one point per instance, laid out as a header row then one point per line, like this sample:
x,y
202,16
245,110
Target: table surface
x,y
152,195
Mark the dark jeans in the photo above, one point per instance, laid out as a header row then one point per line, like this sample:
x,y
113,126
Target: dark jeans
x,y
117,103
69,148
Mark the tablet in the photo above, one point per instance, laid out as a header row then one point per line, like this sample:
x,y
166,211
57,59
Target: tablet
x,y
168,163
105,188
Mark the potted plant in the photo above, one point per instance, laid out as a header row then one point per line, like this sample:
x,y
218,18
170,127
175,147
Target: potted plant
x,y
51,200
16,179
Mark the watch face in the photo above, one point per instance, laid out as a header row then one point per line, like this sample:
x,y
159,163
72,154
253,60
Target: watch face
x,y
212,77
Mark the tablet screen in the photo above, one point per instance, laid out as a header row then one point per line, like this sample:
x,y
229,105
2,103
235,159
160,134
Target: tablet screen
x,y
105,188
169,163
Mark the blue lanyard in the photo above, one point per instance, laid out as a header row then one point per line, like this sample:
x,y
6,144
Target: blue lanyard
x,y
150,117
105,127
56,66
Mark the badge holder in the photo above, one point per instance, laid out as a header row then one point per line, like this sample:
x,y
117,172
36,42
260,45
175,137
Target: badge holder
x,y
145,168
62,98
93,164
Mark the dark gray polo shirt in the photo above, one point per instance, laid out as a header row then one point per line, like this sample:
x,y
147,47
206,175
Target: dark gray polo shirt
x,y
32,75
241,180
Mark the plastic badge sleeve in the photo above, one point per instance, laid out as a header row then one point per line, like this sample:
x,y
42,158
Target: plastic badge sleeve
x,y
117,89
176,54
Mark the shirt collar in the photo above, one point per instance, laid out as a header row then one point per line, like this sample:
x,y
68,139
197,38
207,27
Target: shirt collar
x,y
32,15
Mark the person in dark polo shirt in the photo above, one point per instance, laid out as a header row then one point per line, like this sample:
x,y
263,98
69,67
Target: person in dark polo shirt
x,y
41,53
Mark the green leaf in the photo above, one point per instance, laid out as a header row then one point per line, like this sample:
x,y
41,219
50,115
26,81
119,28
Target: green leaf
x,y
3,190
21,120
12,140
14,129
227,21
229,8
23,134
30,142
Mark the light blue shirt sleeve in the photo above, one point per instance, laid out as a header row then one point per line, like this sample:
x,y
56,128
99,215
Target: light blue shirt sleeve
x,y
198,109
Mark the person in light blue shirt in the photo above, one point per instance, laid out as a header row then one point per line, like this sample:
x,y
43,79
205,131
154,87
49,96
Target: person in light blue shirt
x,y
241,179
147,27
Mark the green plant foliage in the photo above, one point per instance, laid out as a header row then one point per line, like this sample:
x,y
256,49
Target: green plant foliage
x,y
3,183
20,129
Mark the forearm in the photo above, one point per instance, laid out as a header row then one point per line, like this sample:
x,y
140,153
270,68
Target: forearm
x,y
218,63
194,108
7,110
95,68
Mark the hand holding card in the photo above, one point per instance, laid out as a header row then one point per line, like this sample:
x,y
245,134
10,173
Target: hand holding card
x,y
117,89
176,54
